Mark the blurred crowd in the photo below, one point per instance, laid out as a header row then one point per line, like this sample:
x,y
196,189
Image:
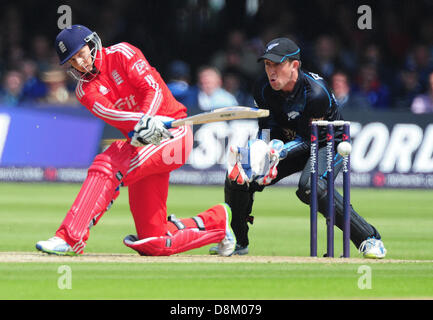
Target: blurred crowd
x,y
207,50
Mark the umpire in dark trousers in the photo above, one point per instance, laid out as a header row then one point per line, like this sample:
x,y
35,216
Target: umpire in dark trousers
x,y
295,98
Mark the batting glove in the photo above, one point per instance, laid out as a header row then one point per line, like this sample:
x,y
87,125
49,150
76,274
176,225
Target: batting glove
x,y
149,130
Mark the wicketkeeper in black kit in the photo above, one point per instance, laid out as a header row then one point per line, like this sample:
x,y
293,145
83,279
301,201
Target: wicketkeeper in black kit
x,y
295,98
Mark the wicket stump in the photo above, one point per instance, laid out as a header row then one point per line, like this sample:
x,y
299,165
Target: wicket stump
x,y
330,163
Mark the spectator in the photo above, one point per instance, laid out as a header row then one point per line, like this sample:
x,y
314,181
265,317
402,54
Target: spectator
x,y
402,35
42,51
369,86
325,56
15,56
420,60
346,100
11,92
234,83
238,54
179,76
407,88
211,95
57,92
373,54
424,103
426,33
33,88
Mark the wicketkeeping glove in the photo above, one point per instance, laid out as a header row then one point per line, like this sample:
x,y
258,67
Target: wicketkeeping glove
x,y
257,163
276,151
149,130
235,169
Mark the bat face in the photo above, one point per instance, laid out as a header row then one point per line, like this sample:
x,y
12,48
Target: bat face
x,y
223,114
242,114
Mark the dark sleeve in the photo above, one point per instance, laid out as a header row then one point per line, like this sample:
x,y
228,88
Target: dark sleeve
x,y
259,102
318,106
295,148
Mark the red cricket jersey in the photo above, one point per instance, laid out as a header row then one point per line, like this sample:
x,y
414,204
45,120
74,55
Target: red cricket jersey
x,y
127,87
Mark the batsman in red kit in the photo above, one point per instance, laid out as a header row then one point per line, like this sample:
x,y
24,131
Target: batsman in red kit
x,y
117,85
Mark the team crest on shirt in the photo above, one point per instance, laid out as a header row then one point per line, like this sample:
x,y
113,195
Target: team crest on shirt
x,y
293,115
103,90
117,78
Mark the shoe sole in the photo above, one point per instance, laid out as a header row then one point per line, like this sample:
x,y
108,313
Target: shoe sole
x,y
372,256
241,252
214,251
57,253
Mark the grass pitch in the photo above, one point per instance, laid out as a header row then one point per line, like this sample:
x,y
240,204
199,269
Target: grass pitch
x,y
32,212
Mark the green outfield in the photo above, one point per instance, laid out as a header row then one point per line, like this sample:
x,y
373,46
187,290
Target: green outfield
x,y
32,212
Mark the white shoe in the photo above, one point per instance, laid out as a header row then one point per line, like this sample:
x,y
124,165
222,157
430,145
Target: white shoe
x,y
372,248
227,245
55,245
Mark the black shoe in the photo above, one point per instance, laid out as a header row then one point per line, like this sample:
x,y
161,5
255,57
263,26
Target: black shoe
x,y
240,251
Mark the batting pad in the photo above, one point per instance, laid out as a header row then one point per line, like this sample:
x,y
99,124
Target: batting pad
x,y
96,194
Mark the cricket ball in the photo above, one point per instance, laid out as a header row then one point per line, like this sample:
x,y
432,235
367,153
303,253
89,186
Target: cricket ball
x,y
344,148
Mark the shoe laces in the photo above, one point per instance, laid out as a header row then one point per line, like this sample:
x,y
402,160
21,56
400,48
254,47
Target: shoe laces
x,y
366,244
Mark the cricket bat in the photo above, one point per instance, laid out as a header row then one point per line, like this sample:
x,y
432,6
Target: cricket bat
x,y
221,114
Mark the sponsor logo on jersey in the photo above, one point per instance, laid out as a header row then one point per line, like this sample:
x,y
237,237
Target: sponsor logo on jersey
x,y
141,66
126,103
